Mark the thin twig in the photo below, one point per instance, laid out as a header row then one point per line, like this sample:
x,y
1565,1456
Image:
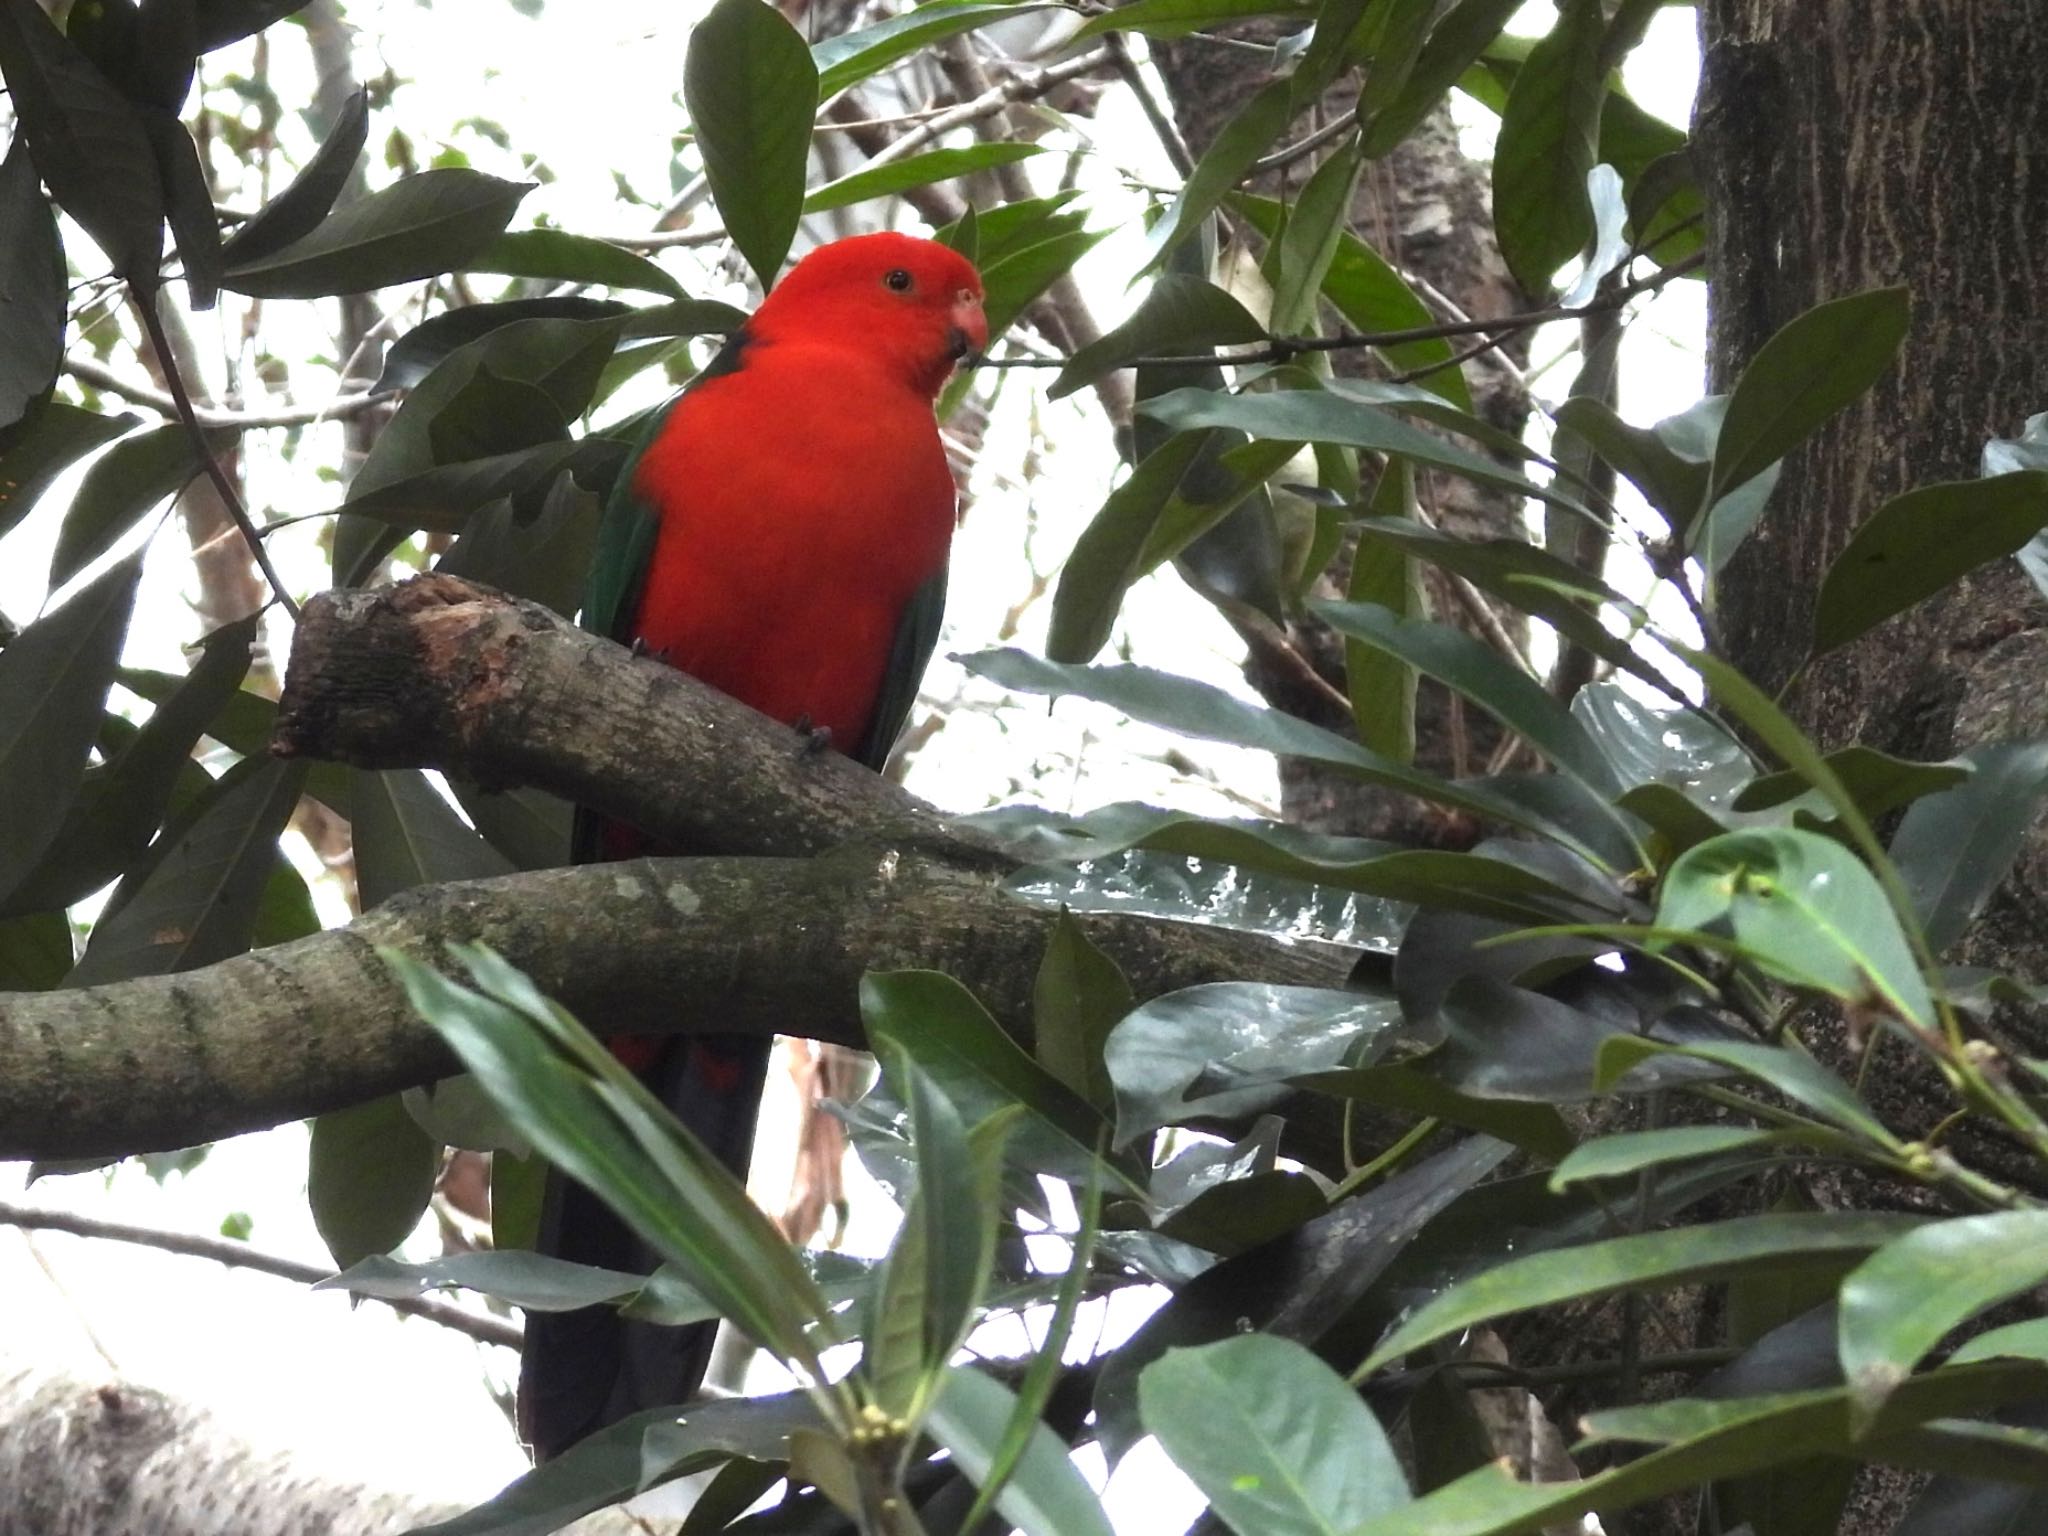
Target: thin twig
x,y
1287,348
1163,126
153,323
239,1255
1025,85
100,377
1287,154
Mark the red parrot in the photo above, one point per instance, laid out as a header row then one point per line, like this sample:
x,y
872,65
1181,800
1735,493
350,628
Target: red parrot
x,y
781,534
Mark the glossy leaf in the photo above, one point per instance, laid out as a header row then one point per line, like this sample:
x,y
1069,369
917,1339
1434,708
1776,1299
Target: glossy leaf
x,y
1628,1152
1805,373
1678,1257
1902,1300
420,350
1791,1072
611,1464
406,835
915,171
752,91
370,1174
1804,909
1549,137
554,255
1227,1049
533,1281
1953,849
200,895
126,482
1275,1439
594,1120
1199,710
1307,247
848,58
1076,999
188,196
310,196
1917,544
1474,669
421,225
980,1069
1181,314
1046,1494
53,687
1325,416
33,285
86,139
1878,782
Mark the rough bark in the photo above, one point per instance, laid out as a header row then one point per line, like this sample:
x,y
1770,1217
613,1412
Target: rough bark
x,y
736,945
1843,147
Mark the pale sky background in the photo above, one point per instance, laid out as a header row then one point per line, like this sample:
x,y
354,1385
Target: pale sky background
x,y
359,1392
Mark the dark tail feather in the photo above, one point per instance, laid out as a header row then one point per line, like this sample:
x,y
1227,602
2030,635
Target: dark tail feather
x,y
585,1369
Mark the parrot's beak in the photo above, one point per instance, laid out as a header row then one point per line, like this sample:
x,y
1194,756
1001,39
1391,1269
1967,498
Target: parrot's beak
x,y
969,333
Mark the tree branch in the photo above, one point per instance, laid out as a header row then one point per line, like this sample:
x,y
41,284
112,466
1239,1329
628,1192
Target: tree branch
x,y
102,378
437,673
239,1255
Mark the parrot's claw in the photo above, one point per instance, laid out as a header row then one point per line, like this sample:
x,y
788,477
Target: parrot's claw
x,y
815,738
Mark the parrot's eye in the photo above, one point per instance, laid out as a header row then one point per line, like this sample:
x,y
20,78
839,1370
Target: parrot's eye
x,y
897,280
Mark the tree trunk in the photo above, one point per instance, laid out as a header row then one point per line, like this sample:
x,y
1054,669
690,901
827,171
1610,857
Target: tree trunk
x,y
1843,147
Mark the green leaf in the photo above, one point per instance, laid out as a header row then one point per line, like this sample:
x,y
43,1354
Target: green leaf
x,y
610,1465
1196,709
1046,1494
1902,1300
752,92
200,895
1307,247
851,57
1953,849
1805,373
123,484
35,951
529,826
1178,18
419,226
1274,1438
1479,672
406,835
1791,1072
1076,1000
1681,1256
370,1174
1248,134
1380,683
915,171
594,1120
220,22
420,350
1878,782
1721,1440
940,1026
33,285
556,256
1181,314
1228,1049
86,139
1806,911
1613,1157
53,688
1459,36
45,442
1549,138
533,1281
1325,416
188,198
124,802
310,196
1919,543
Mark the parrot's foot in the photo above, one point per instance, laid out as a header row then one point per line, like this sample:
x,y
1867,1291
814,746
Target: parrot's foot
x,y
815,738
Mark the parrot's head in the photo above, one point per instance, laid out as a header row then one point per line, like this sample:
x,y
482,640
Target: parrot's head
x,y
914,303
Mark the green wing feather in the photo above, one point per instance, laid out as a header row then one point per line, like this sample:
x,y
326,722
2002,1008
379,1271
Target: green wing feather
x,y
917,636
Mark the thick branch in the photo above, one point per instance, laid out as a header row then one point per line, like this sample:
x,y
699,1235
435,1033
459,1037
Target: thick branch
x,y
437,673
734,945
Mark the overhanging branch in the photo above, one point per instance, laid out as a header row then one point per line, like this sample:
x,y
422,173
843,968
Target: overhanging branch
x,y
858,876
